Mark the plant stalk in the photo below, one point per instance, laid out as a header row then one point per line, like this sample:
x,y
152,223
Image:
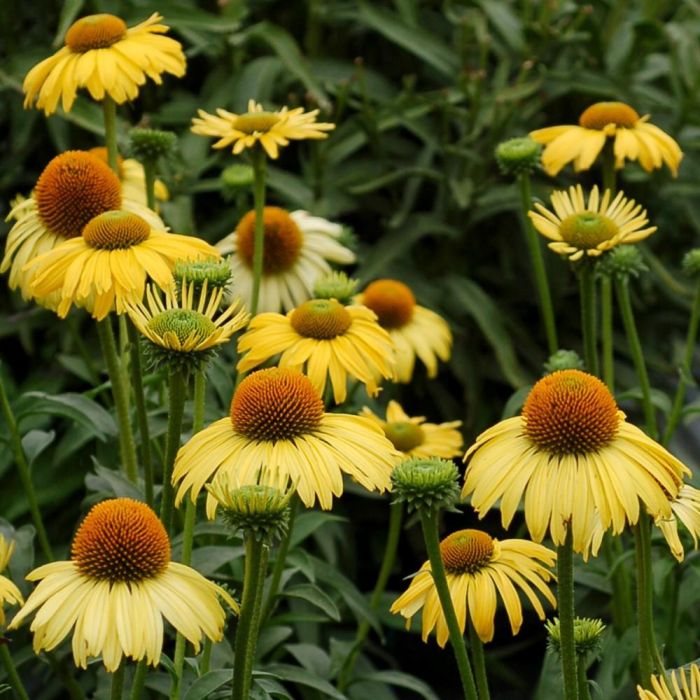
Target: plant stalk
x,y
109,112
176,408
606,323
477,647
12,675
565,606
645,620
149,171
118,682
259,167
139,681
588,315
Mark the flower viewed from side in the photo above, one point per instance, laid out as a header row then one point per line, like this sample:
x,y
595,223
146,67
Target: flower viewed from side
x,y
9,593
324,339
116,588
679,684
105,56
73,188
634,138
270,129
415,330
108,265
686,508
297,251
480,569
577,229
576,462
278,434
413,437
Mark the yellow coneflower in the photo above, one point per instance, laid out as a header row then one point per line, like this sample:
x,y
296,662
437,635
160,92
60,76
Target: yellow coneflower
x,y
480,569
116,588
415,330
297,251
684,685
577,229
686,508
105,56
9,593
324,339
270,129
634,138
278,434
576,461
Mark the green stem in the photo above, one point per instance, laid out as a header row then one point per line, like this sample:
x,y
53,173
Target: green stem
x,y
65,672
87,358
477,647
149,171
588,315
584,692
673,613
118,682
206,657
139,681
432,545
645,619
677,408
249,620
109,111
136,370
392,543
121,397
540,272
565,593
622,611
25,473
259,163
176,408
12,675
609,171
606,323
623,299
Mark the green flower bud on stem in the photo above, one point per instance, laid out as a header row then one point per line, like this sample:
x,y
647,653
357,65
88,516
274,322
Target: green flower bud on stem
x,y
691,263
336,285
563,359
520,155
151,144
215,272
588,636
621,263
426,484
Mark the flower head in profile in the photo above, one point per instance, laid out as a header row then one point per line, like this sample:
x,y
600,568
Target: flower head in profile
x,y
105,56
633,138
298,249
270,129
278,434
73,188
9,593
685,507
480,570
575,461
680,684
116,589
415,330
579,229
324,339
413,437
107,266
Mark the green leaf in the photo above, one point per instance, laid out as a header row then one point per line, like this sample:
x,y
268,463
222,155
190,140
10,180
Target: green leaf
x,y
314,595
69,12
35,442
208,560
207,684
312,658
506,22
114,483
294,674
307,523
402,680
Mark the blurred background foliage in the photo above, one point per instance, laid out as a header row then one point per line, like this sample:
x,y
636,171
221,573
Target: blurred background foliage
x,y
422,92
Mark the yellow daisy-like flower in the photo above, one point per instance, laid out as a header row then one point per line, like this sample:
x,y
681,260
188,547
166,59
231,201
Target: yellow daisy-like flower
x,y
576,461
480,569
577,229
324,339
413,437
684,685
107,266
278,434
415,330
116,588
270,129
633,139
297,251
73,188
9,593
686,508
105,56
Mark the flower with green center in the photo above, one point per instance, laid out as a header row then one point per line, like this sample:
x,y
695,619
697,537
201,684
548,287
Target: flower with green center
x,y
577,229
679,684
270,129
520,155
480,569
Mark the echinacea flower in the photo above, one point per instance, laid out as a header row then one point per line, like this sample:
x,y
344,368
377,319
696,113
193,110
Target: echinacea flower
x,y
116,589
679,684
415,330
685,508
107,265
9,593
413,437
297,250
73,188
480,569
105,56
270,129
278,434
577,229
634,138
576,462
324,339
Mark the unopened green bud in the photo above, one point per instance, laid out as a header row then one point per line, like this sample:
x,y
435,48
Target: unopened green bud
x,y
516,156
151,144
691,262
216,272
336,285
588,636
237,177
622,262
428,484
563,359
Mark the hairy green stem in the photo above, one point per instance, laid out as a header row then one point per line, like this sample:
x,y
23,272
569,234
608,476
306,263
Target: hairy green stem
x,y
606,324
118,682
584,692
609,171
139,680
622,611
176,408
479,659
206,657
432,545
149,171
390,548
259,166
588,315
645,620
249,620
12,675
109,112
565,606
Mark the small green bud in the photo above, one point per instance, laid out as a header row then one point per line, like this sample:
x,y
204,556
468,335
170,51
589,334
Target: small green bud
x,y
216,272
151,144
336,285
236,177
520,155
691,263
426,483
622,262
563,359
588,633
